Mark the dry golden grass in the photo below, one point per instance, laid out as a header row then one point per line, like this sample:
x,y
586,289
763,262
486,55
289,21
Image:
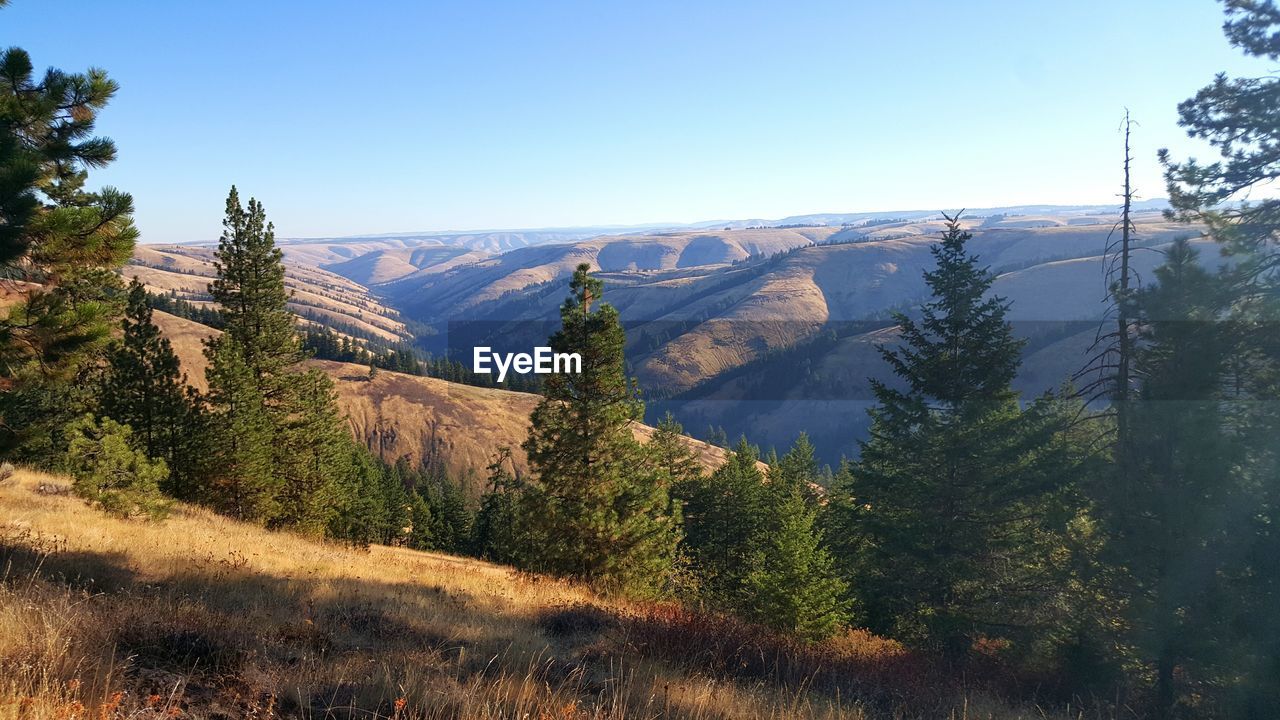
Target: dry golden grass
x,y
204,617
187,271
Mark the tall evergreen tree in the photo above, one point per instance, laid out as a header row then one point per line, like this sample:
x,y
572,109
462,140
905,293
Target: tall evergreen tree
x,y
288,465
60,244
422,523
724,518
607,518
250,290
241,480
1182,545
793,585
1240,118
143,388
500,531
450,518
949,506
311,457
754,545
365,511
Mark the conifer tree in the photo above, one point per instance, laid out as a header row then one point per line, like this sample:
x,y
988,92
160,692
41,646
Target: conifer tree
x,y
111,472
724,520
1181,538
607,519
241,480
500,531
1240,118
143,388
251,293
755,547
949,508
61,244
450,519
363,512
793,585
671,455
394,500
288,466
421,537
797,471
311,457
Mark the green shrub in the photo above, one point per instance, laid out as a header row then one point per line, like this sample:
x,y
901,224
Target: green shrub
x,y
110,472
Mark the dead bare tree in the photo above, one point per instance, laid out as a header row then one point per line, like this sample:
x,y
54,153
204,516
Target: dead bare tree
x,y
1107,375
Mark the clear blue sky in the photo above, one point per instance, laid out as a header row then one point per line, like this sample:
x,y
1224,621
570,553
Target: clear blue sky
x,y
385,116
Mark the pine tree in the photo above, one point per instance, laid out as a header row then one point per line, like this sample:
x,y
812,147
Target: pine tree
x,y
311,457
797,471
241,480
143,388
61,243
396,504
421,537
949,508
1240,118
450,517
607,519
1179,539
672,456
755,547
294,443
251,293
362,510
500,532
724,520
112,473
793,585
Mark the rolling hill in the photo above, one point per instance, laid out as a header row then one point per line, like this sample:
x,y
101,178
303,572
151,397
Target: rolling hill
x,y
761,328
184,272
456,428
715,316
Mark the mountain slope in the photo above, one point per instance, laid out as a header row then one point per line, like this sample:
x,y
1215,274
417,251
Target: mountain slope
x,y
184,272
703,309
457,428
203,617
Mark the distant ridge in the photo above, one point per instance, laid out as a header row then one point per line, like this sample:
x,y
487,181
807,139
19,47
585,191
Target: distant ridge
x,y
525,237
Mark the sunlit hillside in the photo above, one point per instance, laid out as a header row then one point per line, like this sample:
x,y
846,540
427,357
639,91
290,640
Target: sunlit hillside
x,y
457,428
199,616
318,296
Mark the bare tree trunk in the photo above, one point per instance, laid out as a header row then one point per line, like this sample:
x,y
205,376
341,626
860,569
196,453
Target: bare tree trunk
x,y
1124,335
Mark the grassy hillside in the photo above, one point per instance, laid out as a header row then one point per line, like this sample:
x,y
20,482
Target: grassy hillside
x,y
329,299
203,617
693,313
708,331
452,294
455,427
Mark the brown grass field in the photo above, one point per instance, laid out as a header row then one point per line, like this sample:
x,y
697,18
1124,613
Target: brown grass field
x,y
200,616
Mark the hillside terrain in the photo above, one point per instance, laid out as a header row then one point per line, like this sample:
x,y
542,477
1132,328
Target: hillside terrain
x,y
763,330
184,272
447,426
203,617
727,326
